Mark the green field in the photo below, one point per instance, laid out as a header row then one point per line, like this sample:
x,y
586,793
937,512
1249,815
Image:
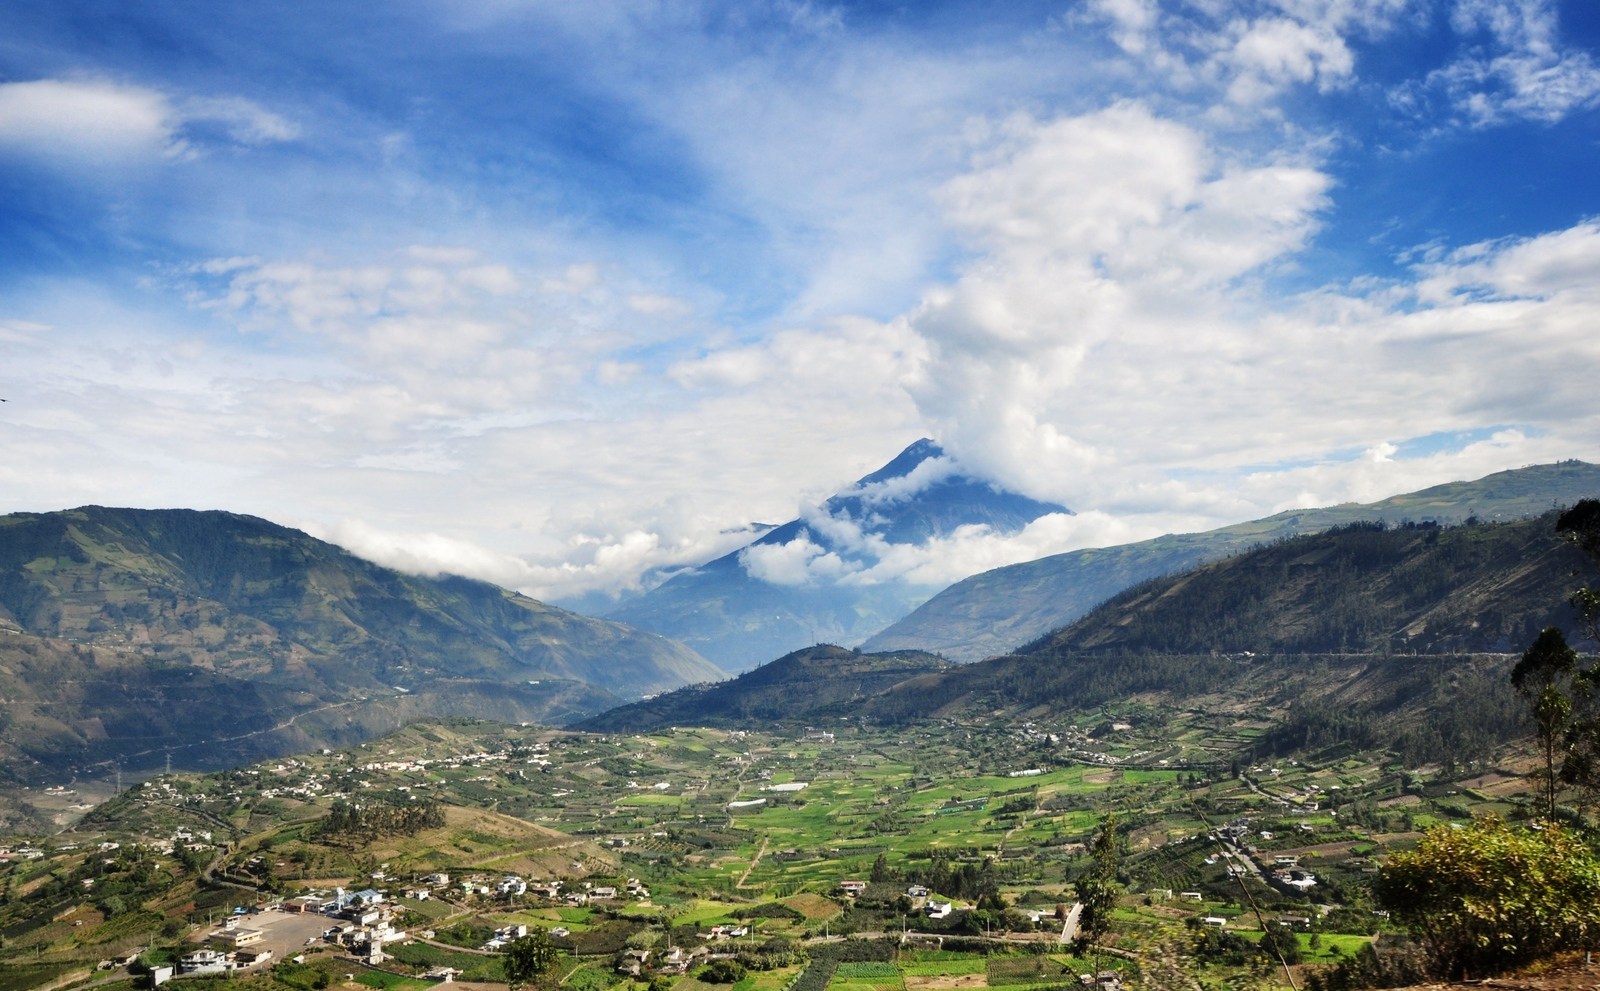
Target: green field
x,y
936,808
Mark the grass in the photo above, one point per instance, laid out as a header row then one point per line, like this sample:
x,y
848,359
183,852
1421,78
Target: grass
x,y
954,966
1008,971
391,982
814,907
21,977
1332,947
474,967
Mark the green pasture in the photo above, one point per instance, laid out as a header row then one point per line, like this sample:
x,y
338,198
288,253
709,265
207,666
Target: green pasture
x,y
955,965
867,977
1331,947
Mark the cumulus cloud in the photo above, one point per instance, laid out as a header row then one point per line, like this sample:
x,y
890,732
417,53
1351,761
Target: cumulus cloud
x,y
901,488
657,304
423,553
969,550
1273,53
798,562
575,279
1250,53
1080,301
1103,235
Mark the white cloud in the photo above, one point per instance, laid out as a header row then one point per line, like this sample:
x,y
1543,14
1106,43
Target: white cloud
x,y
798,562
1248,53
1520,70
729,369
423,553
574,402
1104,235
90,122
97,123
575,279
245,122
1562,263
1132,22
1273,53
899,489
972,549
656,304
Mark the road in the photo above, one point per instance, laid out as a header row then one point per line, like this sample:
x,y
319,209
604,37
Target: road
x,y
1069,928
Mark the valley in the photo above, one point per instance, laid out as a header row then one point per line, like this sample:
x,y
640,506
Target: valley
x,y
757,832
1207,775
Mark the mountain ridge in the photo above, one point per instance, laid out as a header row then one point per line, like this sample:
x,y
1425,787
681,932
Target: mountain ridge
x,y
996,611
189,612
1386,635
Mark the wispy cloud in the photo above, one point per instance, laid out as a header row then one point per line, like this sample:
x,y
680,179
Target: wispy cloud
x,y
1514,66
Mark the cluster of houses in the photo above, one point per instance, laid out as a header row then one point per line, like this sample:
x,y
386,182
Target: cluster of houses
x,y
513,886
218,958
503,937
1285,872
933,908
672,960
213,961
1288,874
366,919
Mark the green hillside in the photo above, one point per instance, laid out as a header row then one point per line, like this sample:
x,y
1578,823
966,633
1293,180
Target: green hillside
x,y
813,685
1388,637
997,611
1397,638
128,634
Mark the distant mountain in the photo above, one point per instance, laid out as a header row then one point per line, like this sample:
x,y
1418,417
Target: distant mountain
x,y
815,685
996,611
126,635
792,587
1378,637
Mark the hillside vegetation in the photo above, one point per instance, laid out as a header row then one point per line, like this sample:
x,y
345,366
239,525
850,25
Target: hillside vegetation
x,y
817,684
128,634
1396,637
997,611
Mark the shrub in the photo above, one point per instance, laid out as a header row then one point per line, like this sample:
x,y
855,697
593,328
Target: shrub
x,y
1486,898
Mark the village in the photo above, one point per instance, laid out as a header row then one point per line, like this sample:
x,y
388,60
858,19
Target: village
x,y
654,856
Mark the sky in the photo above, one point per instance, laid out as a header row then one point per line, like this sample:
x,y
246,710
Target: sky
x,y
565,295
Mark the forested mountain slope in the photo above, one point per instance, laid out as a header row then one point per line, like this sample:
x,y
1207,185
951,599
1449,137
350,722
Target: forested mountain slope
x,y
997,611
1398,637
127,634
1385,637
814,685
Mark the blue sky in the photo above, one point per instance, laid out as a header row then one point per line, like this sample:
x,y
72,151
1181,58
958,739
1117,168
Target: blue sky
x,y
561,294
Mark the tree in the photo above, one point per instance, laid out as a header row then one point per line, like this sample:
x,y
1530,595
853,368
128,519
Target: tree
x,y
1097,890
1280,943
527,957
723,972
1487,898
880,870
1565,699
1544,677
